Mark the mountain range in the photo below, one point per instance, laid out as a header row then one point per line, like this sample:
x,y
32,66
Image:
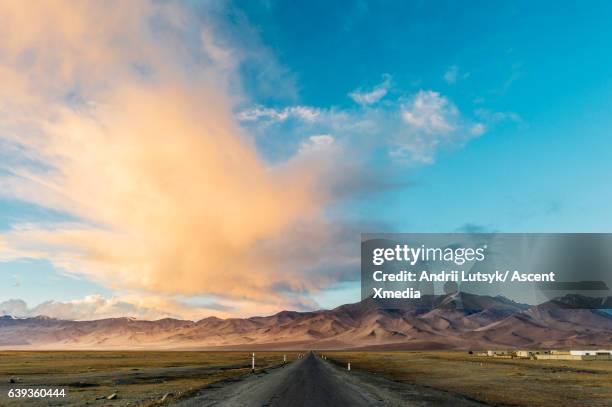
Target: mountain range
x,y
455,321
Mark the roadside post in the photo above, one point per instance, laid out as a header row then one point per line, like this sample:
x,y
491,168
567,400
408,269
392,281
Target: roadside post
x,y
253,363
284,359
349,367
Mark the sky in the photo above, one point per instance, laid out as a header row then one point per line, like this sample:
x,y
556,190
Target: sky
x,y
187,159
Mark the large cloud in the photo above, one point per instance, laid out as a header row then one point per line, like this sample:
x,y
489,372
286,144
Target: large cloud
x,y
121,117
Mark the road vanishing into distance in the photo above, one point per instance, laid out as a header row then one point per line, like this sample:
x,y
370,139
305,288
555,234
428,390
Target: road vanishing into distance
x,y
312,381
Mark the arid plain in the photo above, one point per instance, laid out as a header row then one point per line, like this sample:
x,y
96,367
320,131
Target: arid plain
x,y
141,378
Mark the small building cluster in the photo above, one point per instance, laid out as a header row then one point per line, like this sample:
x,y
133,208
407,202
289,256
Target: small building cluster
x,y
601,354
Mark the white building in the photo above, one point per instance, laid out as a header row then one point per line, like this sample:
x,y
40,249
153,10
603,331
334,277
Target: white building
x,y
578,355
590,352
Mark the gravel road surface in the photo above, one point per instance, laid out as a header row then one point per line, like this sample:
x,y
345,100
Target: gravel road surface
x,y
312,381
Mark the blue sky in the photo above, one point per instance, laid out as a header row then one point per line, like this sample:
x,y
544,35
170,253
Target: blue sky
x,y
550,66
448,117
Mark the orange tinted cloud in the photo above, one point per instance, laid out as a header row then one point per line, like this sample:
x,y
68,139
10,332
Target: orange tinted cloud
x,y
122,127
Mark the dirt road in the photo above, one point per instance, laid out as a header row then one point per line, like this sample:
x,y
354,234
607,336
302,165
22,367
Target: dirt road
x,y
312,381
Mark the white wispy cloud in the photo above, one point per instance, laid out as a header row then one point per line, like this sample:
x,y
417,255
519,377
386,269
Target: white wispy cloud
x,y
478,129
279,115
433,122
494,117
369,97
412,128
430,112
451,75
454,74
317,143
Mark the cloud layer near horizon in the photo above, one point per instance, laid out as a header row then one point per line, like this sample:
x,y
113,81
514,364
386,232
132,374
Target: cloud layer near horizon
x,y
146,307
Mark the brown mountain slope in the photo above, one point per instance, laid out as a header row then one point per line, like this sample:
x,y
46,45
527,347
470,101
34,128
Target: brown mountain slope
x,y
458,321
551,324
